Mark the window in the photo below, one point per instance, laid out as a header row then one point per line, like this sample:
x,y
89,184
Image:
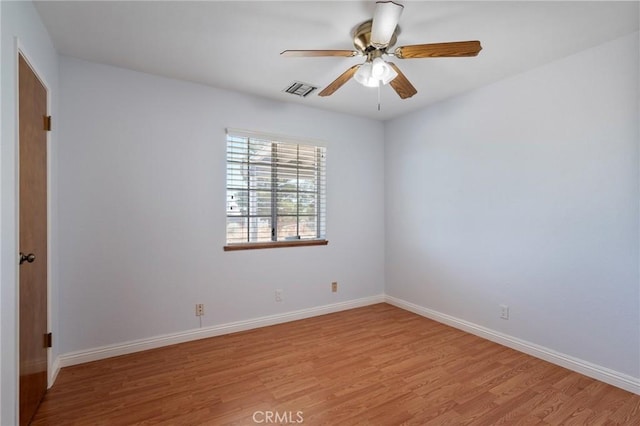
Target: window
x,y
276,192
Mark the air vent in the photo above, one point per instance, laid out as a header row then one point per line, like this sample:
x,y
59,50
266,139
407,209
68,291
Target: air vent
x,y
300,89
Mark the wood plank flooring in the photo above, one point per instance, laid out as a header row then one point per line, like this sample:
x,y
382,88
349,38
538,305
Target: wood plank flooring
x,y
377,365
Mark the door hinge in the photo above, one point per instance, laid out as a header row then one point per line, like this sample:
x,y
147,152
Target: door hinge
x,y
47,123
48,340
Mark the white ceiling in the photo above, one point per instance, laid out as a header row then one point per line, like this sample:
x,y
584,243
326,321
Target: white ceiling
x,y
236,44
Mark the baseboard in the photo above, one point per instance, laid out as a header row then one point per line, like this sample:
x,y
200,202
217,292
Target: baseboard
x,y
614,378
53,372
597,372
80,357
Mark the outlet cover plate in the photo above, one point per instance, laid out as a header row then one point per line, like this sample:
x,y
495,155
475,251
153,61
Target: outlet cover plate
x,y
504,312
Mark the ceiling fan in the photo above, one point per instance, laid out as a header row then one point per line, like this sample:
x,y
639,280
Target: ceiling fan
x,y
374,39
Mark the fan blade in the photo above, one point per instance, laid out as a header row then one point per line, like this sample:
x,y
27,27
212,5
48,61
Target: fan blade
x,y
338,82
401,85
436,50
385,21
307,53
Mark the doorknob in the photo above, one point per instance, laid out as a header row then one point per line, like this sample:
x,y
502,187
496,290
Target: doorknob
x,y
27,257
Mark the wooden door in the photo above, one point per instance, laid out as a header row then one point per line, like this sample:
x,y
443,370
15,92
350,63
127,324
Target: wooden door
x,y
32,99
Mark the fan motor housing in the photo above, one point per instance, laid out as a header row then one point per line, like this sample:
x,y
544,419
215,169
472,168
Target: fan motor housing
x,y
362,37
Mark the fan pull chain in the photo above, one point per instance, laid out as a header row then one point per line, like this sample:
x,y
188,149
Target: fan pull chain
x,y
378,95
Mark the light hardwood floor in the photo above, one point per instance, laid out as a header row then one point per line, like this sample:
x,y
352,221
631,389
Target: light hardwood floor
x,y
376,365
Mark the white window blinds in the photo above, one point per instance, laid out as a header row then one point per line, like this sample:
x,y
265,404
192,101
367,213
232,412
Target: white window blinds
x,y
276,189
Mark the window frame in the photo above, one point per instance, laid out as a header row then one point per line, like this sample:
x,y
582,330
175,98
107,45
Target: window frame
x,y
275,164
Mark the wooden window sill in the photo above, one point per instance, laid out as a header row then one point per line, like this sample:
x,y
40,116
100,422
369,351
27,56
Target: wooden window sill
x,y
275,244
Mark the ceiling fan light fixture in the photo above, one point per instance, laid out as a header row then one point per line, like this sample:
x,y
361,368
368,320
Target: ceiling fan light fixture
x,y
378,68
382,71
364,75
375,73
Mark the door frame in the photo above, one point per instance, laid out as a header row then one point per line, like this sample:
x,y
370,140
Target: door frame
x,y
20,49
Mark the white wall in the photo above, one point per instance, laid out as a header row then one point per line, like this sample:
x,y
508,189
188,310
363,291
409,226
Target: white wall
x,y
526,193
142,208
20,19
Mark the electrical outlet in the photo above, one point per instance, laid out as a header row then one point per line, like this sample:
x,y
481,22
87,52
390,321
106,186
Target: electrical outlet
x,y
334,287
199,309
279,295
504,312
